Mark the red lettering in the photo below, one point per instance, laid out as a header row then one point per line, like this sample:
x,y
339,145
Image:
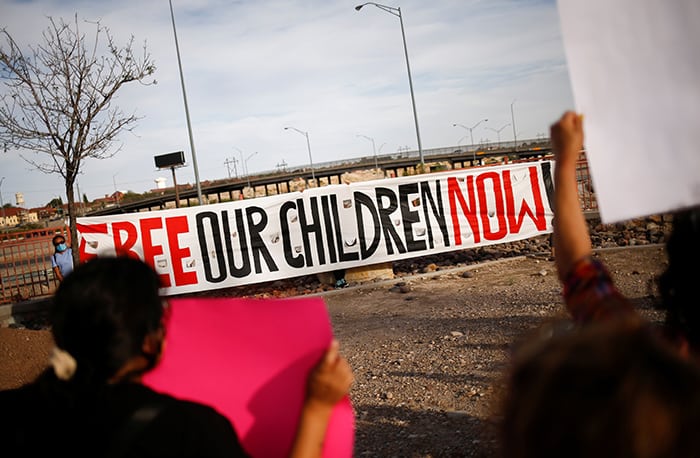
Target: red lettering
x,y
124,247
178,225
483,206
89,229
456,196
150,251
515,222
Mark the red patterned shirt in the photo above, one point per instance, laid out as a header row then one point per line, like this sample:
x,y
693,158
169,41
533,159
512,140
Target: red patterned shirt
x,y
591,295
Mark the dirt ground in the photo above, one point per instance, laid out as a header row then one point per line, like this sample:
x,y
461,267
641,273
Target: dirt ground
x,y
428,350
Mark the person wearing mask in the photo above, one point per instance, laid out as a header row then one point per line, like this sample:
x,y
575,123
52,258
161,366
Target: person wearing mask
x,y
62,258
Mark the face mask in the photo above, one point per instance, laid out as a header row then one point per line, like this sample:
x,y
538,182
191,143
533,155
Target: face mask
x,y
61,247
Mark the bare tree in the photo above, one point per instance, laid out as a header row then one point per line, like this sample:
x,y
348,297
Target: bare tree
x,y
57,106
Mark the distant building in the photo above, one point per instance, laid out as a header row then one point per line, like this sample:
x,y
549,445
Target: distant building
x,y
45,212
14,216
160,183
109,200
180,187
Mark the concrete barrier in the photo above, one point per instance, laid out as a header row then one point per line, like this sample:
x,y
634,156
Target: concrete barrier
x,y
382,271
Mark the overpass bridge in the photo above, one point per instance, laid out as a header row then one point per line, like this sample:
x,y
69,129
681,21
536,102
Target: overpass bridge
x,y
392,165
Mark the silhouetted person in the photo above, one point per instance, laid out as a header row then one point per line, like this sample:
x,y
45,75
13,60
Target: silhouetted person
x,y
107,324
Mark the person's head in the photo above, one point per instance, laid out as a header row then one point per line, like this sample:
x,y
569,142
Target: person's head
x,y
678,284
107,312
606,390
59,243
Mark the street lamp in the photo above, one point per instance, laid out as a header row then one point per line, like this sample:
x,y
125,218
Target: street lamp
x,y
187,111
308,145
470,129
374,149
512,119
246,167
471,135
498,131
397,12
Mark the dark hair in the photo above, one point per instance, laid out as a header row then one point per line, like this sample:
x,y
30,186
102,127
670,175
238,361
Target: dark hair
x,y
56,237
609,389
678,284
102,313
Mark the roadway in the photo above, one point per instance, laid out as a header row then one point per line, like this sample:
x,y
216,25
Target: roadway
x,y
395,164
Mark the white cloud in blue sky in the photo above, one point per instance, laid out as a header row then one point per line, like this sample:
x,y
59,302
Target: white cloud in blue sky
x,y
253,67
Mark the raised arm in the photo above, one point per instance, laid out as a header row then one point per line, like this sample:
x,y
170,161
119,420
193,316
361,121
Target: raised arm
x,y
328,383
571,239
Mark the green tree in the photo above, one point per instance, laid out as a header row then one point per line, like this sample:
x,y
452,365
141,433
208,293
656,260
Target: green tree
x,y
58,100
56,202
131,196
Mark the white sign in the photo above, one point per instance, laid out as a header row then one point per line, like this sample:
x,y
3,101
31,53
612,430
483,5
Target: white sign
x,y
328,228
635,74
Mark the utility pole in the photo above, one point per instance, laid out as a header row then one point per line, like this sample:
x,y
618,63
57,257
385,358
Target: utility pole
x,y
228,163
282,166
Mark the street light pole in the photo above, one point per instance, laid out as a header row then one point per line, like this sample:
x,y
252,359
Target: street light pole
x,y
246,167
471,135
374,149
308,146
187,111
397,12
498,131
512,119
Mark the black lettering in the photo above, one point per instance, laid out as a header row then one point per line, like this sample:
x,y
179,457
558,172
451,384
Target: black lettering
x,y
256,241
362,200
409,217
293,261
390,233
244,270
350,256
218,248
437,209
328,222
309,227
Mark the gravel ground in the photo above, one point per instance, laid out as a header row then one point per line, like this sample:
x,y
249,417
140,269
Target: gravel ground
x,y
429,349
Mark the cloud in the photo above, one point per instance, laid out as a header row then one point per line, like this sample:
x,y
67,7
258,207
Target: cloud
x,y
251,68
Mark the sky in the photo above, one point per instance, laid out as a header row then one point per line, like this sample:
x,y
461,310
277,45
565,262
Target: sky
x,y
253,67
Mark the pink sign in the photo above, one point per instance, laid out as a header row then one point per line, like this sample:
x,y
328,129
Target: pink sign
x,y
249,359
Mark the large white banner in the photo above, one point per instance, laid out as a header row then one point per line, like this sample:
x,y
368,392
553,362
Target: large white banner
x,y
328,228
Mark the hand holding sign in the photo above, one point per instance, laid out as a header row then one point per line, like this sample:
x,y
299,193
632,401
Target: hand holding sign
x,y
327,384
251,359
